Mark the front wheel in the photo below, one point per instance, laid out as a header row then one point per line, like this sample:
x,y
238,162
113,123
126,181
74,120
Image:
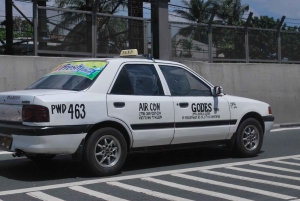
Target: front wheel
x,y
249,138
105,152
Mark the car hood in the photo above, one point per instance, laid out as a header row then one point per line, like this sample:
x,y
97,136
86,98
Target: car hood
x,y
230,98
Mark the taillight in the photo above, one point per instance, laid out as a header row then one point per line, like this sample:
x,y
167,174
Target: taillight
x,y
35,113
270,110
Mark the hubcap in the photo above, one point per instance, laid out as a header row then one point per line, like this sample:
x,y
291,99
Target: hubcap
x,y
107,151
250,138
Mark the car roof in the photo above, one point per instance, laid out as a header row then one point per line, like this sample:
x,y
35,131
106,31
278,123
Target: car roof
x,y
119,59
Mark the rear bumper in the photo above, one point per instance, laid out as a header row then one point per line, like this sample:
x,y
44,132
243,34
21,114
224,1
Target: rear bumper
x,y
269,121
45,140
42,130
51,144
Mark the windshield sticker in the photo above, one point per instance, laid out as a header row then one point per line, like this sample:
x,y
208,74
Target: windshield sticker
x,y
89,69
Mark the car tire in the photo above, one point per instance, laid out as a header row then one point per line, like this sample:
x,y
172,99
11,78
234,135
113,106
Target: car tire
x,y
40,157
249,138
105,152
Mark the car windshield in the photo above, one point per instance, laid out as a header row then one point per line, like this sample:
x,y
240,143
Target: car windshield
x,y
75,76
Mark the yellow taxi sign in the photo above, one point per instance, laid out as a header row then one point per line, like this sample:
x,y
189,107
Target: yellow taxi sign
x,y
131,52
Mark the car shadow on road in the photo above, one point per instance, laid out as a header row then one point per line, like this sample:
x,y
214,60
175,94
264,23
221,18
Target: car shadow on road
x,y
172,158
23,169
63,167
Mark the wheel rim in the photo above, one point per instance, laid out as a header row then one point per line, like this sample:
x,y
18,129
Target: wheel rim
x,y
107,151
250,138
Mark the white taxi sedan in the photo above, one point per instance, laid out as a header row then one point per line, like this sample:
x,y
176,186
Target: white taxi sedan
x,y
101,109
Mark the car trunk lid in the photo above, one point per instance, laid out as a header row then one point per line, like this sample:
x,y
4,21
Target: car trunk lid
x,y
11,103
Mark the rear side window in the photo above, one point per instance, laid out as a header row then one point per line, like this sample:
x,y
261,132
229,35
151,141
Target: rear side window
x,y
183,83
138,79
62,82
75,75
122,84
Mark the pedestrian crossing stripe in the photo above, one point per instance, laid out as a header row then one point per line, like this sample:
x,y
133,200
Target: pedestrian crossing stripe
x,y
37,193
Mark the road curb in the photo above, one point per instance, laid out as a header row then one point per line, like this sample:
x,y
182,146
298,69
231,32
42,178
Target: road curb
x,y
275,126
287,125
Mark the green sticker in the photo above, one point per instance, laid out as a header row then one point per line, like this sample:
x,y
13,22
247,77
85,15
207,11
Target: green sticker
x,y
88,69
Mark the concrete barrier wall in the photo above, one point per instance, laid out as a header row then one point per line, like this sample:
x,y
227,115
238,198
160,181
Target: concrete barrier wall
x,y
275,84
19,72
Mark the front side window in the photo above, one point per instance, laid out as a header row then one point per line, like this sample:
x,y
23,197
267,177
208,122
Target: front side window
x,y
183,83
76,76
138,79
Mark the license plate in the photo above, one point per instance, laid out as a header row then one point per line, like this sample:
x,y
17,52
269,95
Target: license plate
x,y
5,142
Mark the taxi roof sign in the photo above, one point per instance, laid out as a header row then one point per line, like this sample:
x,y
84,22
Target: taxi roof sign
x,y
130,52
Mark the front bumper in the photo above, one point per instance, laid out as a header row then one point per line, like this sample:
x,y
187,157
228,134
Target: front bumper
x,y
44,140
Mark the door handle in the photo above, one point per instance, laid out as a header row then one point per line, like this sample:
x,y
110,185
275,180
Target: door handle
x,y
119,104
183,105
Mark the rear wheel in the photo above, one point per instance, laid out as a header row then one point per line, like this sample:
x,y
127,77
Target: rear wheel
x,y
249,138
40,157
105,152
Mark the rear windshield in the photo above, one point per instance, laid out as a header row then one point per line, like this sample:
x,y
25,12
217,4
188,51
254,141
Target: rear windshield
x,y
75,76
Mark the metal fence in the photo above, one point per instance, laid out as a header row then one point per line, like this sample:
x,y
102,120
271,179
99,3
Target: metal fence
x,y
233,44
66,32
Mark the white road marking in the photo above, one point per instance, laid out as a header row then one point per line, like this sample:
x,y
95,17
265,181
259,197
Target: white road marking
x,y
252,179
195,190
285,129
296,159
43,196
148,192
96,194
5,152
264,173
288,163
238,187
138,176
275,168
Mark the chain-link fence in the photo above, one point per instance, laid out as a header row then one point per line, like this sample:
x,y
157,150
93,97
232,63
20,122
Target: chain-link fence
x,y
229,42
115,34
63,32
189,41
21,42
233,43
66,32
60,31
290,46
263,45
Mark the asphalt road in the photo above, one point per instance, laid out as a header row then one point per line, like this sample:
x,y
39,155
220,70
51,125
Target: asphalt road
x,y
197,174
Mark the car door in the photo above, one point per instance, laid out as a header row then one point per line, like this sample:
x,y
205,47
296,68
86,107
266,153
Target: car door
x,y
137,98
199,116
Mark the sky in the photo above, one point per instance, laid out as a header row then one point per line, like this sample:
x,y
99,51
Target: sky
x,y
276,9
272,8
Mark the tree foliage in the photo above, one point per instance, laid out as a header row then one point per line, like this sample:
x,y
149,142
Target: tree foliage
x,y
230,11
230,41
198,11
21,29
263,44
76,27
227,11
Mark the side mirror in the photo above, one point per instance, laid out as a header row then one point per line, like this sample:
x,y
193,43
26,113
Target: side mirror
x,y
218,90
